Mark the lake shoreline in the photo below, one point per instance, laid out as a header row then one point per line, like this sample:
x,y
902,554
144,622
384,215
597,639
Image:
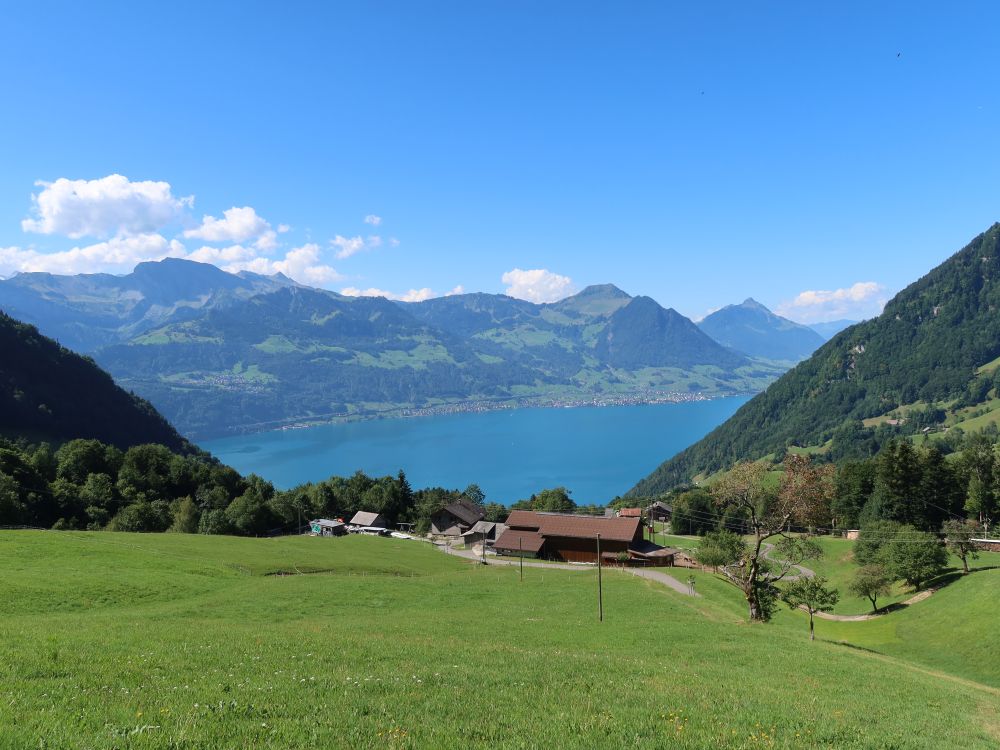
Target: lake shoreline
x,y
482,406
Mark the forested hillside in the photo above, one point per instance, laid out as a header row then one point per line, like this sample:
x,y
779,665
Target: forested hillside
x,y
925,347
49,393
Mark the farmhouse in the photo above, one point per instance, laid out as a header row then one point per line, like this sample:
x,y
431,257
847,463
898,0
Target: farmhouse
x,y
561,536
364,518
456,518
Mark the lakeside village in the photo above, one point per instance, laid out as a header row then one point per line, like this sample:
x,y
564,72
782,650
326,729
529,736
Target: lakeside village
x,y
481,406
624,537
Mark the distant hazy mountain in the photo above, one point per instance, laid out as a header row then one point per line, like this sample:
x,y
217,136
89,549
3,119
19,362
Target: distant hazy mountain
x,y
753,329
49,393
831,328
218,352
88,311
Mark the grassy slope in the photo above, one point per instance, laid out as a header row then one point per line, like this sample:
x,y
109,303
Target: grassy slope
x,y
133,641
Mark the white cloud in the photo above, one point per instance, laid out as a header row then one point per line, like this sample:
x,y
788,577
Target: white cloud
x,y
537,285
862,300
237,225
117,255
373,220
353,245
413,295
302,264
104,207
393,242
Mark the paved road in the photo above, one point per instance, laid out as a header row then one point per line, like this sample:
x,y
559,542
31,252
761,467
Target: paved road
x,y
652,575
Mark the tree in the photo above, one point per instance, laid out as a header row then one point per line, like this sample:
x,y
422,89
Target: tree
x,y
185,516
12,510
721,548
871,582
915,556
798,500
958,536
693,512
897,484
978,464
872,540
812,594
981,501
852,488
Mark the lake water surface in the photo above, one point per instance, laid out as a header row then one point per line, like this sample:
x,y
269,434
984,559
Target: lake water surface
x,y
596,452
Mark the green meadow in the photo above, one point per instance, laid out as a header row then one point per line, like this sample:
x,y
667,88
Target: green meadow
x,y
174,641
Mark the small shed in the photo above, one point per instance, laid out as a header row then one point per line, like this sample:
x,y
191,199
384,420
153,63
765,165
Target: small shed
x,y
364,518
487,531
653,555
326,527
853,533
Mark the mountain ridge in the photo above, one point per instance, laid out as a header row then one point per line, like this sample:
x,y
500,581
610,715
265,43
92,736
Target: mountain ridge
x,y
753,329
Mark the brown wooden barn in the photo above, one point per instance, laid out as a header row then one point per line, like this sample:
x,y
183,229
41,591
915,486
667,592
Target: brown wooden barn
x,y
560,536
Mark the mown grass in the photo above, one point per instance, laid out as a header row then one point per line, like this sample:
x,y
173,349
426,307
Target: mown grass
x,y
953,631
171,641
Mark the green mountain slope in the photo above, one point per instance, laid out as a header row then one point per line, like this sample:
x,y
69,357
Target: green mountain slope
x,y
753,329
925,346
49,393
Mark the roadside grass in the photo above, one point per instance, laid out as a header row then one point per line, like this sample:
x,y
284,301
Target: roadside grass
x,y
399,645
953,631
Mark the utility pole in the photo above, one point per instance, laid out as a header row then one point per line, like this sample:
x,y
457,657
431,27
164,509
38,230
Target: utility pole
x,y
600,590
520,555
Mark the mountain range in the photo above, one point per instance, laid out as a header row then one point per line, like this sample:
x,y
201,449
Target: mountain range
x,y
936,342
218,352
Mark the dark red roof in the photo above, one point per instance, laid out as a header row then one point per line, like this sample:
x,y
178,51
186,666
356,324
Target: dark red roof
x,y
630,513
517,539
576,527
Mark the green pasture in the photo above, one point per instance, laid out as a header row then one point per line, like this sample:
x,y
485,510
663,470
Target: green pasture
x,y
172,641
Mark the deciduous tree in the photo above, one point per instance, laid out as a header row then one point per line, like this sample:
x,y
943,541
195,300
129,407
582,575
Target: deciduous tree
x,y
958,536
768,514
811,594
871,582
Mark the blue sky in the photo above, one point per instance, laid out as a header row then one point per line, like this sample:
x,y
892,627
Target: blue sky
x,y
699,153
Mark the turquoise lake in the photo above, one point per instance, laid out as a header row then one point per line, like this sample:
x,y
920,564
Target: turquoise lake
x,y
596,452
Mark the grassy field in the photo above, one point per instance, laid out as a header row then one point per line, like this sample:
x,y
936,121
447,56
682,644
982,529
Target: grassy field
x,y
172,641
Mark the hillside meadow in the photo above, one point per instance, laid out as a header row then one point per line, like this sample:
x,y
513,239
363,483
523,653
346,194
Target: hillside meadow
x,y
181,641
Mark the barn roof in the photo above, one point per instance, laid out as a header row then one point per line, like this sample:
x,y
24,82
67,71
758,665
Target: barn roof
x,y
579,527
518,539
364,518
465,511
630,513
